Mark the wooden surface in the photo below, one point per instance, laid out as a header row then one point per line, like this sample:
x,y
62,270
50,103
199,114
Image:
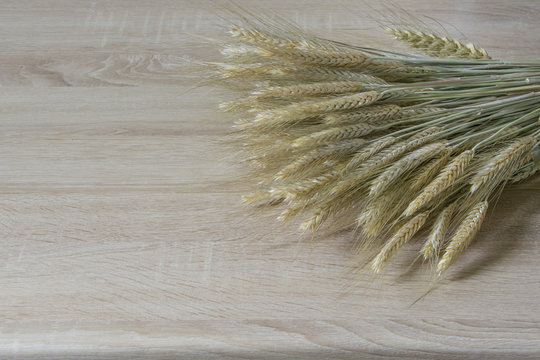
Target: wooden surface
x,y
121,230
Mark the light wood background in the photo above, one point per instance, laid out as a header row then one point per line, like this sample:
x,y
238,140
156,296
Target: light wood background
x,y
121,231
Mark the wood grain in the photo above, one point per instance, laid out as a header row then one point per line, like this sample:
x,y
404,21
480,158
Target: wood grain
x,y
122,234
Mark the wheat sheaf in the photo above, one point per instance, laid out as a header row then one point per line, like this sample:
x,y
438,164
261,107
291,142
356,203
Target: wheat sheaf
x,y
399,145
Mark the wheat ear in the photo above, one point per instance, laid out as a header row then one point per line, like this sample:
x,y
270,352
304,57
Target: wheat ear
x,y
303,187
463,236
257,196
404,234
438,46
504,164
315,55
429,171
317,156
228,71
316,218
372,114
444,180
525,173
309,108
321,88
310,73
382,158
408,113
334,73
260,38
318,57
395,151
369,151
435,239
335,134
405,164
320,214
238,50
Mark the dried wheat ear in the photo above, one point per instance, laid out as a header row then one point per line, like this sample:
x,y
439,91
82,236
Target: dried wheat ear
x,y
394,144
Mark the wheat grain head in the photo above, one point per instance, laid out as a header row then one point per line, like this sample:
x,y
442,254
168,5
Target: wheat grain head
x,y
405,164
443,181
431,247
504,164
438,46
463,236
404,234
306,109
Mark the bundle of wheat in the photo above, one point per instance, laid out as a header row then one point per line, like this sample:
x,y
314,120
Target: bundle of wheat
x,y
391,143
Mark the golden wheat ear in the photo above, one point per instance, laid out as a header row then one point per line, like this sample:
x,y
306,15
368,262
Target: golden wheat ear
x,y
404,234
446,178
463,236
430,249
503,165
438,46
525,172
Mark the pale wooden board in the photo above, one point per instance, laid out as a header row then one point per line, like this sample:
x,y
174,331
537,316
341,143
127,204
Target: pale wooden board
x,y
121,230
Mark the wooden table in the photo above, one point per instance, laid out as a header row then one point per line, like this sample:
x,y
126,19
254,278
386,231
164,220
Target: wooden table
x,y
121,229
